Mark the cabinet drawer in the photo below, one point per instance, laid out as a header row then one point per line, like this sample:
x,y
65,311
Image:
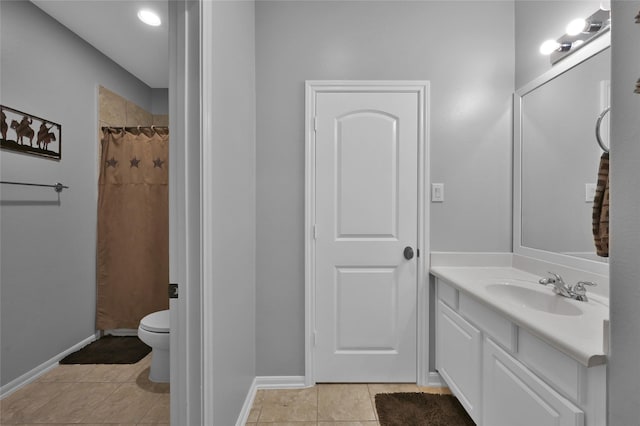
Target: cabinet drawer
x,y
447,294
500,329
558,369
513,395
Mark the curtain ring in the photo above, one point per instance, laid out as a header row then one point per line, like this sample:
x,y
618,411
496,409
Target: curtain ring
x,y
598,123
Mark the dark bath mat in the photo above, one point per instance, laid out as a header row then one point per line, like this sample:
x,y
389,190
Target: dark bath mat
x,y
110,350
420,409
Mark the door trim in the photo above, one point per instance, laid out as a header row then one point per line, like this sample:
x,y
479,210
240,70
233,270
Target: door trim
x,y
421,88
191,61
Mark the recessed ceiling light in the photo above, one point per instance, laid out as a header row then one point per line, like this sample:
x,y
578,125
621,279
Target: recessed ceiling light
x,y
149,17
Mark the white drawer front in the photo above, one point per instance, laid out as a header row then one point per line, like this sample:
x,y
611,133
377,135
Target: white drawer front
x,y
448,294
513,395
559,369
500,329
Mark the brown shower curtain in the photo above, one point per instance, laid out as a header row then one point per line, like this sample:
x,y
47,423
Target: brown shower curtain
x,y
133,226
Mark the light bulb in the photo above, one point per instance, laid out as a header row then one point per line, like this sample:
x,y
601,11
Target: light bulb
x,y
149,17
576,26
549,46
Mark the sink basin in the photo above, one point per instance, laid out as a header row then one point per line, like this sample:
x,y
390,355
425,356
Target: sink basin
x,y
536,300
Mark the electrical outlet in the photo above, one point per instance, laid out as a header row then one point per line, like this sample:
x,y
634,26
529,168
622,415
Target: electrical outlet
x,y
589,192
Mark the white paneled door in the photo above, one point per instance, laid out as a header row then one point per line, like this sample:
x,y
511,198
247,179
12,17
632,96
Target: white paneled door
x,y
366,200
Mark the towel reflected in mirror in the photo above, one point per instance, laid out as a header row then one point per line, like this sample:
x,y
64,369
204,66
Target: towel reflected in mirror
x,y
600,217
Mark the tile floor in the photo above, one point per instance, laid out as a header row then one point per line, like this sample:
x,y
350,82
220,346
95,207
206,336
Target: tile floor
x,y
117,395
324,404
122,395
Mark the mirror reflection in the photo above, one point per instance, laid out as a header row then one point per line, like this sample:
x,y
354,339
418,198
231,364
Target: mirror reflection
x,y
560,157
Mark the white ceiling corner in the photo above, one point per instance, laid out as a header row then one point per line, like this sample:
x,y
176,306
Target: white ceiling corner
x,y
113,28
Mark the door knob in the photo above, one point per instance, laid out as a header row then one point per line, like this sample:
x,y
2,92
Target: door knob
x,y
408,253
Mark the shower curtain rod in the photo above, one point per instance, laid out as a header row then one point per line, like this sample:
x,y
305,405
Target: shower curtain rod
x,y
135,127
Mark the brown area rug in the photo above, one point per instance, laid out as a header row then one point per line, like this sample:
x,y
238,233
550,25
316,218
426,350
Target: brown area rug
x,y
110,350
420,409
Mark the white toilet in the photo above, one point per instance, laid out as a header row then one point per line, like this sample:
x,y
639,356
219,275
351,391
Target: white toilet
x,y
154,331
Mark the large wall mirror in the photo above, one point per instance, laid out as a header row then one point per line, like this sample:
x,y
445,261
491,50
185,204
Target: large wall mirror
x,y
556,158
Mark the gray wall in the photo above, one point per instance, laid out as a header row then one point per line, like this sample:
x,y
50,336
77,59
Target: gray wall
x,y
540,20
47,278
470,67
159,101
233,220
624,359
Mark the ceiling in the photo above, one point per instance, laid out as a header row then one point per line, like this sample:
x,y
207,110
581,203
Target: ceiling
x,y
112,27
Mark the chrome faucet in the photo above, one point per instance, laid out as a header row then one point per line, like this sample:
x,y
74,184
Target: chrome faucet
x,y
559,285
577,292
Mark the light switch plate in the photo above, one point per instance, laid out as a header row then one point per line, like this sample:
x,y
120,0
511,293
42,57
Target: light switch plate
x,y
437,192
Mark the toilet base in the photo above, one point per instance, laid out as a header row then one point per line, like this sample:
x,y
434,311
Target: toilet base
x,y
160,370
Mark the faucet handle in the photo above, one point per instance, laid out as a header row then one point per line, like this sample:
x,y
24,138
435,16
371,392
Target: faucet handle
x,y
580,285
580,292
557,277
548,280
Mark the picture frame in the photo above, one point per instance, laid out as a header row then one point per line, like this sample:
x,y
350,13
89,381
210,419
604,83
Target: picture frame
x,y
32,135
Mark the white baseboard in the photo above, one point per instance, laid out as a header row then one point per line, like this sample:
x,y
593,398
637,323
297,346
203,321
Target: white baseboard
x,y
248,403
434,380
267,382
32,375
280,382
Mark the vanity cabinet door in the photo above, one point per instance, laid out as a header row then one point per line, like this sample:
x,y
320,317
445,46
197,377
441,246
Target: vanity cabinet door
x,y
514,396
458,355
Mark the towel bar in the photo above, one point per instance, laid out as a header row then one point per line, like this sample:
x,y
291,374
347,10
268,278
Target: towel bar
x,y
58,186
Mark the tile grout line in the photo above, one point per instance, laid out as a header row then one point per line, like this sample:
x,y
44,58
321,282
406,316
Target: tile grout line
x,y
259,414
48,399
151,407
372,398
107,397
373,406
261,404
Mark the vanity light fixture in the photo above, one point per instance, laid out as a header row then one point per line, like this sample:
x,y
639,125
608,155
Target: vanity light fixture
x,y
577,43
578,32
550,46
592,27
149,17
576,26
580,25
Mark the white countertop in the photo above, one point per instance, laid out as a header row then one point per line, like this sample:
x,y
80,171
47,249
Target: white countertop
x,y
579,336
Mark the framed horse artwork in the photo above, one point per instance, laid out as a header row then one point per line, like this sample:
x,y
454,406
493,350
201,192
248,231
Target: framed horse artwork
x,y
28,134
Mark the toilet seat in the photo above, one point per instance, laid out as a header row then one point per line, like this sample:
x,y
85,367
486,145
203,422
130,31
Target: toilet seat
x,y
156,322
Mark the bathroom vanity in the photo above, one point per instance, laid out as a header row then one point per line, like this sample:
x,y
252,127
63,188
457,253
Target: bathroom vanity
x,y
515,353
